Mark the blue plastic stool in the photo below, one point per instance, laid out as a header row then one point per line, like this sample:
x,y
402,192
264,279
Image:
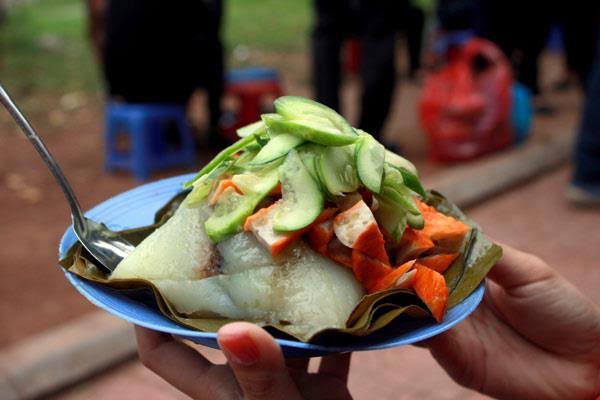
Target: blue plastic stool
x,y
251,74
521,114
158,137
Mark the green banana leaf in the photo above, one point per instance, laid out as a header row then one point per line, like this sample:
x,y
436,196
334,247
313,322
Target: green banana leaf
x,y
371,317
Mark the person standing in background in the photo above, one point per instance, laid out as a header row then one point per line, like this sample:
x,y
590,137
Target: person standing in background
x,y
411,23
157,52
520,29
585,184
581,23
374,23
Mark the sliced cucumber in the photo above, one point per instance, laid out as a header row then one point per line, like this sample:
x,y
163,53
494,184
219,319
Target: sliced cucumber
x,y
277,147
257,183
412,182
370,156
200,192
269,118
336,167
391,217
399,162
312,130
394,189
415,221
308,154
302,200
232,209
229,214
219,158
402,197
255,128
293,107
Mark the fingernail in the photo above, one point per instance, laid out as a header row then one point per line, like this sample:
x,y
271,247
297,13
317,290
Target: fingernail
x,y
240,349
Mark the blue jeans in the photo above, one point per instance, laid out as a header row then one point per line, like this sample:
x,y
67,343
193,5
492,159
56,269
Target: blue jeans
x,y
587,152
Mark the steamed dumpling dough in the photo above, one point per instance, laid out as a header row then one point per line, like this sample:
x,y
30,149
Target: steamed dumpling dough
x,y
239,279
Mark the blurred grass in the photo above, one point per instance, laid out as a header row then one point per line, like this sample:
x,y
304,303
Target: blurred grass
x,y
44,44
268,24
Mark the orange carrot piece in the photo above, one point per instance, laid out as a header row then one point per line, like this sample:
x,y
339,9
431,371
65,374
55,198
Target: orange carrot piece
x,y
441,227
368,270
412,245
431,288
439,262
261,224
326,214
258,215
357,228
320,235
372,243
339,253
389,281
218,191
276,192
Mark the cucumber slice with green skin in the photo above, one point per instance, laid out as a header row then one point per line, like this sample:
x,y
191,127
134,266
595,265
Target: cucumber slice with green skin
x,y
308,154
412,182
277,147
402,197
255,128
300,108
370,156
311,130
302,200
391,217
232,209
243,161
336,167
229,214
199,192
268,119
394,189
257,183
400,162
415,221
219,158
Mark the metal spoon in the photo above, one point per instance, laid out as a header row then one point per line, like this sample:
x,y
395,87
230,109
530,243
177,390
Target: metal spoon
x,y
106,246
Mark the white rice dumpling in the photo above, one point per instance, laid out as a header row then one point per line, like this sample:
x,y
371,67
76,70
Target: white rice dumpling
x,y
239,279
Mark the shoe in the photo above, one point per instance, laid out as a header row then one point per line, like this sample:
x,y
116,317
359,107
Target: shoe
x,y
582,197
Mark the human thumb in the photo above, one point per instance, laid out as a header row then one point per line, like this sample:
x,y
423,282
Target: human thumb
x,y
257,362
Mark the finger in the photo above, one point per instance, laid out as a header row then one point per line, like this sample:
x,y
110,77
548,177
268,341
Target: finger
x,y
298,364
257,362
336,366
181,366
517,268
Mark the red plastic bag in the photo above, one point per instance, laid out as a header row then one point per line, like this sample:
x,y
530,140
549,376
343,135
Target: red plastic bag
x,y
465,104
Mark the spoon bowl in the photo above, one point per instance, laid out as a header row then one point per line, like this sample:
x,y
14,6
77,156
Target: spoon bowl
x,y
106,246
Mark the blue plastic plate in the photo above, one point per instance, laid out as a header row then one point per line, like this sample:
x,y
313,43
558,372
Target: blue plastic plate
x,y
137,207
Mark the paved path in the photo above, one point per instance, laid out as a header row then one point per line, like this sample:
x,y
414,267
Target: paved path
x,y
534,217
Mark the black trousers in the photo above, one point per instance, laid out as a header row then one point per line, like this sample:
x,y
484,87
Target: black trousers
x,y
411,21
520,29
157,51
373,22
581,20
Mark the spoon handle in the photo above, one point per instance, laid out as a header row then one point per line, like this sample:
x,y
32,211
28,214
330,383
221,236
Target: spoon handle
x,y
37,142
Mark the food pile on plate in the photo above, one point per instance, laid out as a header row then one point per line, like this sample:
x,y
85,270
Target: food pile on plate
x,y
297,223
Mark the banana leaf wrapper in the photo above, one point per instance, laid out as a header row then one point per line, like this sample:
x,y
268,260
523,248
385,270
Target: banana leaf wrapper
x,y
378,314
